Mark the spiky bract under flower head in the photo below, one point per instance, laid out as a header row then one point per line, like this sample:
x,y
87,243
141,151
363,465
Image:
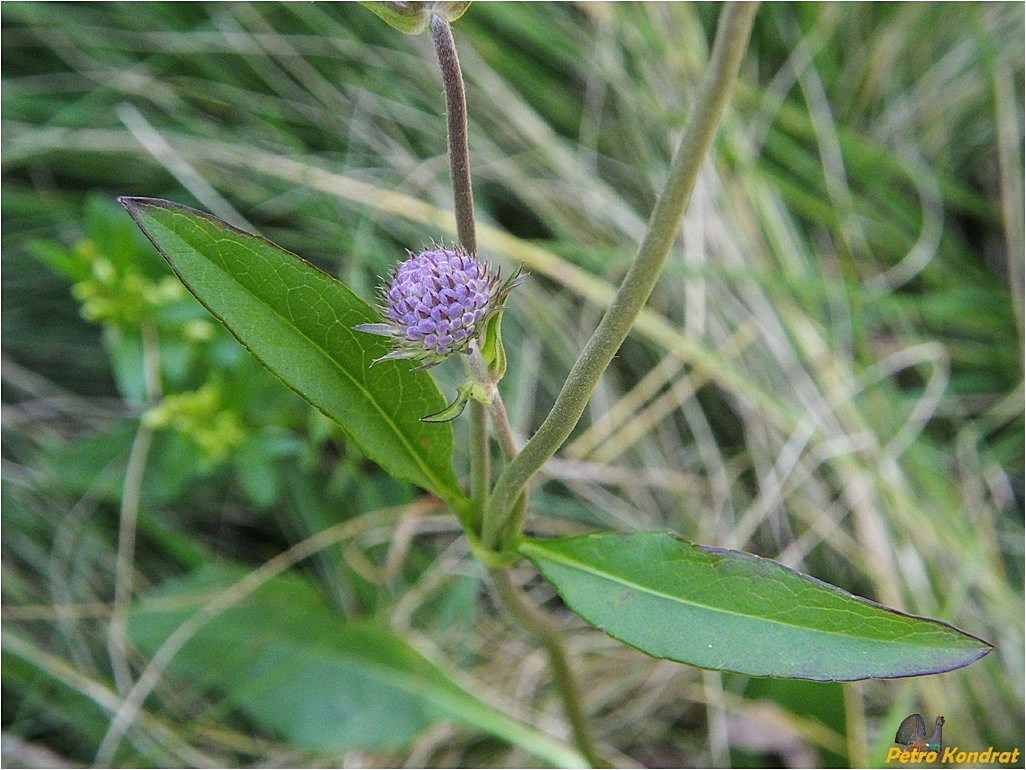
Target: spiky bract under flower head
x,y
437,302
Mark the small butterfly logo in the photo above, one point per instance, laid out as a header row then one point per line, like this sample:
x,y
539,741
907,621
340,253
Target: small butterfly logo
x,y
912,733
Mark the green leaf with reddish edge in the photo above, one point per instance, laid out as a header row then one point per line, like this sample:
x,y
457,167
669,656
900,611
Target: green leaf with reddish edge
x,y
733,611
298,322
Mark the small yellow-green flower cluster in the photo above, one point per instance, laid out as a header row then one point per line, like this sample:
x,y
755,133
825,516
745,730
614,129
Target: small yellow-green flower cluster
x,y
119,298
201,416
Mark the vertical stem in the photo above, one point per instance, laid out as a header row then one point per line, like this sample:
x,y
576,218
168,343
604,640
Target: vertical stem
x,y
131,494
500,422
456,117
542,628
480,465
503,431
530,618
463,204
117,633
480,446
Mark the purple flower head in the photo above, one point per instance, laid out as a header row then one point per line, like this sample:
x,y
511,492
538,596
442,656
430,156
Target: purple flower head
x,y
437,302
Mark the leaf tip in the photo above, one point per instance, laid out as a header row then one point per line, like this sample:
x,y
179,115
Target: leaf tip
x,y
135,206
133,203
128,203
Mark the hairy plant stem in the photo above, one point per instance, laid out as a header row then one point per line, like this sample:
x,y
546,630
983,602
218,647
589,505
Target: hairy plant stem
x,y
539,625
463,205
531,619
503,431
456,117
713,96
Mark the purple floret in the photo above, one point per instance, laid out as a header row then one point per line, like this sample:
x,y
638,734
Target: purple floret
x,y
437,302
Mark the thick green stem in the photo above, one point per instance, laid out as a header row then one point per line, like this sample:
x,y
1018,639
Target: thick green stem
x,y
547,633
456,117
713,96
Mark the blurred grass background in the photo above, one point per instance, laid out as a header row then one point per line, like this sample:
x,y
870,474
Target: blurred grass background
x,y
830,372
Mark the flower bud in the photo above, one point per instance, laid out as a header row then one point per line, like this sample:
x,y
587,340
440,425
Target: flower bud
x,y
414,17
437,302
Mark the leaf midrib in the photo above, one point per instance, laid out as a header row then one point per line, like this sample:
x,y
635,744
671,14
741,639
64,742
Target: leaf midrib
x,y
618,580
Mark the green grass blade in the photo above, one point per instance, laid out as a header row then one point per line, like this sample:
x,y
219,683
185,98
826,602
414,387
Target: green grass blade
x,y
298,322
728,610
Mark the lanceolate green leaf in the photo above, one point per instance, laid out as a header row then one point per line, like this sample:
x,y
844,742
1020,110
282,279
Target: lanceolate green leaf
x,y
298,321
297,668
733,611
